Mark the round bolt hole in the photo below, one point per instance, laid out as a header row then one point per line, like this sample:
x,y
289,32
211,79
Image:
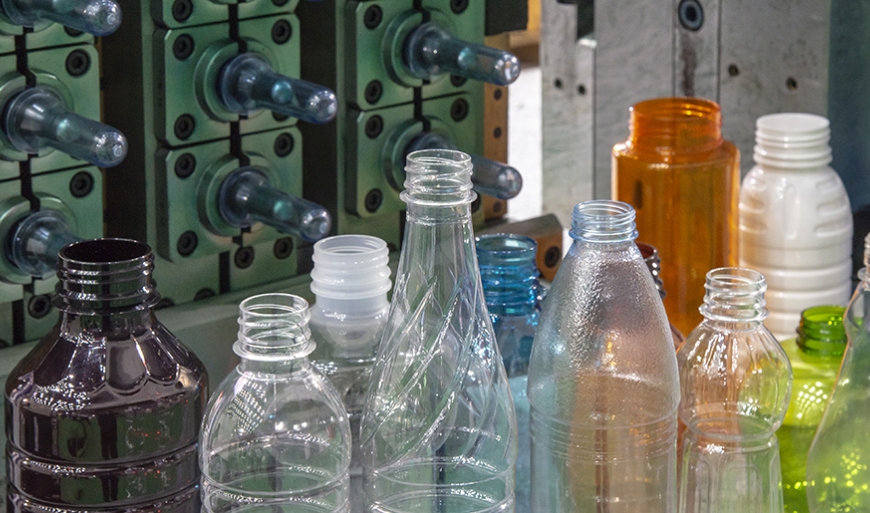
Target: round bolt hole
x,y
497,94
277,116
181,10
164,302
279,3
284,144
4,343
458,81
187,243
185,165
459,110
373,200
283,248
791,83
497,132
81,184
691,14
581,90
392,247
552,257
373,91
373,16
183,47
244,257
78,62
204,294
374,126
558,83
476,204
39,306
496,207
458,6
71,32
281,31
184,126
733,70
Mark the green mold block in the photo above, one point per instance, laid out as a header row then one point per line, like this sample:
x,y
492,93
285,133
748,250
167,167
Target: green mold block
x,y
189,13
468,25
39,316
10,82
258,8
258,264
54,35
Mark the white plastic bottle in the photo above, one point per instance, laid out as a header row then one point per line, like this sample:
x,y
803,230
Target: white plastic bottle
x,y
795,219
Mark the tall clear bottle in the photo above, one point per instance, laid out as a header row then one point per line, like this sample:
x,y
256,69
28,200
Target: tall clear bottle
x,y
439,430
275,437
350,281
104,413
838,465
603,384
735,381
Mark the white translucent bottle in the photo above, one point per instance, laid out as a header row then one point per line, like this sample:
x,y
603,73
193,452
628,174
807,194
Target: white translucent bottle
x,y
350,281
795,219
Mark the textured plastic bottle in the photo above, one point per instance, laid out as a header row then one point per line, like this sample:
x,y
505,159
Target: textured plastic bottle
x,y
513,294
603,384
275,437
438,430
815,357
103,414
654,263
795,219
838,466
683,180
350,281
735,381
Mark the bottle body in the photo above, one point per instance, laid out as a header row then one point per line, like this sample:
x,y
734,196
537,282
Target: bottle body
x,y
683,180
603,383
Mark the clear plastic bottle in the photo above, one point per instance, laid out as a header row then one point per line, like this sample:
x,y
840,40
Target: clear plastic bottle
x,y
603,382
838,465
104,413
438,430
513,295
275,435
735,381
350,281
815,357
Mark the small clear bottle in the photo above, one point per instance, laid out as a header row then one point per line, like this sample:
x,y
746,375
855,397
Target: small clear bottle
x,y
815,357
654,263
513,295
350,281
275,436
603,383
735,381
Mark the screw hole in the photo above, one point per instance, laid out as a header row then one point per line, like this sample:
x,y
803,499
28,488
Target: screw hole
x,y
373,200
279,3
281,31
791,84
164,302
497,132
372,17
185,165
277,116
39,306
181,10
184,126
558,83
552,257
459,110
244,257
71,32
733,70
81,184
496,207
204,294
476,204
458,6
183,47
458,81
581,90
284,144
374,126
187,243
78,62
691,14
497,94
283,248
373,91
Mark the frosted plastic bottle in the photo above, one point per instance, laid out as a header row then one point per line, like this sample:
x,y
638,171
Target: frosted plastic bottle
x,y
603,384
795,219
350,281
275,437
735,381
438,430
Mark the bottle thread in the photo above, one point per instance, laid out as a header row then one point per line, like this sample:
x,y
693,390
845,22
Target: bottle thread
x,y
603,221
274,327
734,294
675,125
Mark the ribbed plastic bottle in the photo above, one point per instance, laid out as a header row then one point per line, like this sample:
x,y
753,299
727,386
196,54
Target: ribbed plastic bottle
x,y
735,380
439,429
838,465
275,436
815,357
350,281
513,295
104,413
654,263
603,383
795,219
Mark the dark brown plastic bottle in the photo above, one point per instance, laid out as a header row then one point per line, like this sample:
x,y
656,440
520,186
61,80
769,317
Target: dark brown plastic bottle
x,y
104,413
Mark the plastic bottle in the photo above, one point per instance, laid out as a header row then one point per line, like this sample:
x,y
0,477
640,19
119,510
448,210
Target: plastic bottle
x,y
275,435
513,294
603,384
815,357
104,413
654,263
838,465
683,180
735,380
795,219
350,281
438,430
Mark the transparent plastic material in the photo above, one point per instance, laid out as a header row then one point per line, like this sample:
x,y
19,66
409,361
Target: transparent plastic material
x,y
430,51
36,241
510,285
247,196
654,263
603,382
248,82
815,357
838,465
438,430
104,413
275,437
97,17
735,381
37,118
350,281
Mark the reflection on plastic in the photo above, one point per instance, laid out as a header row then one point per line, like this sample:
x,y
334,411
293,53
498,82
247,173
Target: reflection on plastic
x,y
97,17
35,243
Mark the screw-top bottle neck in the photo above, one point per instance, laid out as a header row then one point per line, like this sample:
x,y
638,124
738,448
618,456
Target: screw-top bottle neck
x,y
603,222
792,141
438,178
509,273
273,327
351,273
654,263
821,331
675,125
734,294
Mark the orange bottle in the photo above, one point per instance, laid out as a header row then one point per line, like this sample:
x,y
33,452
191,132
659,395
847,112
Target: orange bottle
x,y
683,180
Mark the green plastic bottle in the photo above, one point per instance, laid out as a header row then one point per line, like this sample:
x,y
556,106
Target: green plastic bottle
x,y
815,357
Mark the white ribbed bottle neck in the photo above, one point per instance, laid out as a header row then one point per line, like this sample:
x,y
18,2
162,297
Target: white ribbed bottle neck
x,y
349,272
793,141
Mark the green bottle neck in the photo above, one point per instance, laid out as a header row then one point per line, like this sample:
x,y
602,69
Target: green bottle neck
x,y
821,331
